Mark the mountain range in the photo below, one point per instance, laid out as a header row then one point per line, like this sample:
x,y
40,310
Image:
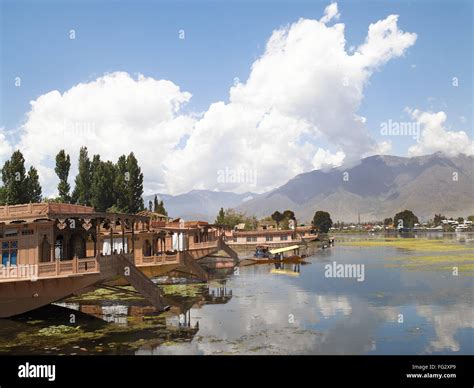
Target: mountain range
x,y
378,187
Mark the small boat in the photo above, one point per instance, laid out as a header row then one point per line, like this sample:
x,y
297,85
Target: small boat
x,y
263,254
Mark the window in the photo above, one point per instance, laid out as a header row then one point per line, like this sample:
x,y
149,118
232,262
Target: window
x,y
11,232
283,238
27,232
251,239
9,253
269,238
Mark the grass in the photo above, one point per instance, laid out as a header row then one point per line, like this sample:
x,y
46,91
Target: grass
x,y
412,244
464,262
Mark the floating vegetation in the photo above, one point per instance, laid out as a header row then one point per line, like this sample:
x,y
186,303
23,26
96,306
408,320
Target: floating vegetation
x,y
412,244
53,331
463,262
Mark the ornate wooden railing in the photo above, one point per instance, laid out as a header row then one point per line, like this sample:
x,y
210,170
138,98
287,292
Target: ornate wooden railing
x,y
157,259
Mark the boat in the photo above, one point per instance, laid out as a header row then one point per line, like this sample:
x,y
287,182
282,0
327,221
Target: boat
x,y
263,254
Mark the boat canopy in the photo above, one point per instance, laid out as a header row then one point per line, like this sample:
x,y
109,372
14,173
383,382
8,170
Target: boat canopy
x,y
285,249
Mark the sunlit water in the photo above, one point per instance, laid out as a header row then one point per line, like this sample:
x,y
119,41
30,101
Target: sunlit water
x,y
298,310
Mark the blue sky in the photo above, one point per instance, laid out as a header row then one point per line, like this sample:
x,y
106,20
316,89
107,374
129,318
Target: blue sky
x,y
222,41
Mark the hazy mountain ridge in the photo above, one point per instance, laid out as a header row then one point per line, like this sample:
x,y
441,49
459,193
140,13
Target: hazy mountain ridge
x,y
377,187
200,204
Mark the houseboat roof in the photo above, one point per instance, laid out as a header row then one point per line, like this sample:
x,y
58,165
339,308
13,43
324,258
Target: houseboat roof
x,y
267,232
50,211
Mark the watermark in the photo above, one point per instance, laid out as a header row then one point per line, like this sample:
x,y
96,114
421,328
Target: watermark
x,y
79,128
28,371
239,175
21,271
345,271
400,128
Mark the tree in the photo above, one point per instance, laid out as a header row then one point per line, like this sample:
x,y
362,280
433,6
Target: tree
x,y
289,215
63,164
160,208
277,217
220,219
18,186
121,188
3,196
155,204
150,205
83,181
102,186
322,221
134,181
438,218
460,220
470,218
388,221
33,186
408,219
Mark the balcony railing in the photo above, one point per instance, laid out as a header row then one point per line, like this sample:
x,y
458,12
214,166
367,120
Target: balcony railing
x,y
157,259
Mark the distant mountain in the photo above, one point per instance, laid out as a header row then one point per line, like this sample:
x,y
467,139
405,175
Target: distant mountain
x,y
378,187
200,204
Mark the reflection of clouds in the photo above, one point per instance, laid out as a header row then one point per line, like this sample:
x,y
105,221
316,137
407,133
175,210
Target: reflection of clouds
x,y
446,321
260,325
330,305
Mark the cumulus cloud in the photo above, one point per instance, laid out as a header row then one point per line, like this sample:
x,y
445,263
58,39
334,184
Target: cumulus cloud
x,y
330,12
324,159
303,90
113,115
5,147
435,137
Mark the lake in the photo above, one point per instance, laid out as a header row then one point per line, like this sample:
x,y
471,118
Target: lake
x,y
415,297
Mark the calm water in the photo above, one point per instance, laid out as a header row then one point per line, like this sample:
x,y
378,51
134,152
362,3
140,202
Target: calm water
x,y
397,309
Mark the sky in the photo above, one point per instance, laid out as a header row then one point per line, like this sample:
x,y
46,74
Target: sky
x,y
237,95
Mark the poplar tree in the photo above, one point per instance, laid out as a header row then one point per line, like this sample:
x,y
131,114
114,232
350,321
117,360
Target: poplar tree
x,y
63,165
18,186
82,188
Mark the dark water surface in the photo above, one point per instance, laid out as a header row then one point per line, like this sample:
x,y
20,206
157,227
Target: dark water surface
x,y
400,307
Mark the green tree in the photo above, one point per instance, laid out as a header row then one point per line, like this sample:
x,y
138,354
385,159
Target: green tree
x,y
160,208
102,187
220,219
438,218
33,186
277,217
83,182
122,191
3,195
388,221
63,164
470,218
18,186
322,221
408,219
134,181
289,215
155,204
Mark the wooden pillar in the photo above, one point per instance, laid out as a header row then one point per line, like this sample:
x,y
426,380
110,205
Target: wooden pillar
x,y
123,236
133,238
111,237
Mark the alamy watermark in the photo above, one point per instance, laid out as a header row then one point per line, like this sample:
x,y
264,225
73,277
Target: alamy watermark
x,y
345,271
27,271
239,175
400,128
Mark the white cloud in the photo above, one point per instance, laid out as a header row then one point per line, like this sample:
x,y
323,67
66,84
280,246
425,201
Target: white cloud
x,y
435,138
303,89
325,159
112,115
5,147
330,12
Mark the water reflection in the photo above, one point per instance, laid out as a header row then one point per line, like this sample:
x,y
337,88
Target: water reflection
x,y
288,308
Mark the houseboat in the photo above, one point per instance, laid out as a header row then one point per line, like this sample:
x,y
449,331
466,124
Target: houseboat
x,y
50,251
